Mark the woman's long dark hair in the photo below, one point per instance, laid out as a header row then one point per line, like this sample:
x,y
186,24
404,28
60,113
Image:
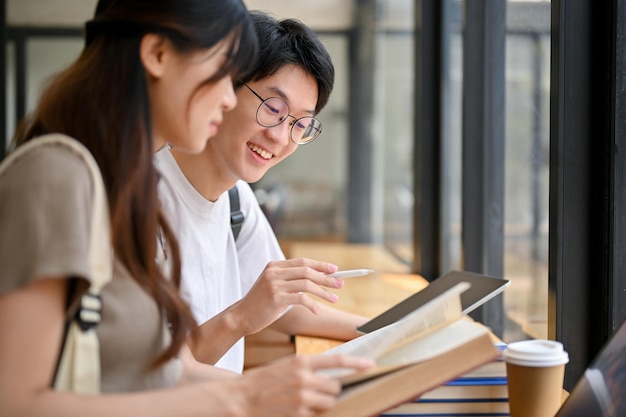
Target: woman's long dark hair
x,y
102,101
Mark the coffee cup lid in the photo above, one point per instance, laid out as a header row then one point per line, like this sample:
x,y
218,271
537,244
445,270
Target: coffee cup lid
x,y
536,353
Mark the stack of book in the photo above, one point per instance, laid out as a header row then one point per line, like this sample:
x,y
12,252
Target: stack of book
x,y
481,392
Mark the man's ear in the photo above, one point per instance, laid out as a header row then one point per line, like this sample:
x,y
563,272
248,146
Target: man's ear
x,y
153,52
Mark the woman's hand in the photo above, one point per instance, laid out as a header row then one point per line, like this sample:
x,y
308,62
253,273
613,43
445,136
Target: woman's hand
x,y
293,388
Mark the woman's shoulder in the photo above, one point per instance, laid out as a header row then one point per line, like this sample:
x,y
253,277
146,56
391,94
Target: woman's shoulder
x,y
50,155
49,164
45,215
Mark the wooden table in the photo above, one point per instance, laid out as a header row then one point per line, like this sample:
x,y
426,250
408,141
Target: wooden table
x,y
348,255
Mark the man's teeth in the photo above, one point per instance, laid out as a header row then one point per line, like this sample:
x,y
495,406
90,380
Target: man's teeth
x,y
264,154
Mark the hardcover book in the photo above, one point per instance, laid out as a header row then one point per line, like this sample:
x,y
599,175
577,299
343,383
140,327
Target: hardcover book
x,y
432,345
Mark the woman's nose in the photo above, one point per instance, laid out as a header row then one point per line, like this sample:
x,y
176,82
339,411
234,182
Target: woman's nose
x,y
229,98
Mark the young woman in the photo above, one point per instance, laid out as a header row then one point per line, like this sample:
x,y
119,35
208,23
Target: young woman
x,y
150,70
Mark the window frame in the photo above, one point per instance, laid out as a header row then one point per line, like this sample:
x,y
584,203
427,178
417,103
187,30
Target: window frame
x,y
587,178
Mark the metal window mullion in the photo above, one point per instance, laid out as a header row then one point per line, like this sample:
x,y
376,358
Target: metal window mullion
x,y
430,73
586,280
21,87
360,190
617,287
3,77
483,147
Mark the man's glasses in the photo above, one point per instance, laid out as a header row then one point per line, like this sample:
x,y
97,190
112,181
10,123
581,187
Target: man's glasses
x,y
273,111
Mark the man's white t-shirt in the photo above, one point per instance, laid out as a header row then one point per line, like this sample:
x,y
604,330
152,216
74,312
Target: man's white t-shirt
x,y
216,271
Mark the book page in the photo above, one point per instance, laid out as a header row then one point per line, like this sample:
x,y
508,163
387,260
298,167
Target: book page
x,y
420,350
435,343
441,310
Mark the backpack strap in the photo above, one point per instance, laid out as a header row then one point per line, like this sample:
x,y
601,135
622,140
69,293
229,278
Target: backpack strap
x,y
236,215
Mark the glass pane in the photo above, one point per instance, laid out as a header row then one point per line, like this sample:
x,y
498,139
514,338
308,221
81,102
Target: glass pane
x,y
452,138
526,168
45,57
10,97
313,180
394,107
526,165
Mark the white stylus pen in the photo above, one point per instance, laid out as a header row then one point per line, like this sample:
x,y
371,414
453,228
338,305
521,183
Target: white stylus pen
x,y
351,273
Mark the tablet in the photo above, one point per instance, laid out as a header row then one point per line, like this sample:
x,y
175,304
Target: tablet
x,y
482,289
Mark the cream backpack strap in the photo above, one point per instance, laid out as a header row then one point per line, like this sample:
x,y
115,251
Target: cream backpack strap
x,y
78,369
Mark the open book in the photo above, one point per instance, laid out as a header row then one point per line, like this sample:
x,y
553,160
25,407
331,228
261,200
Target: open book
x,y
425,349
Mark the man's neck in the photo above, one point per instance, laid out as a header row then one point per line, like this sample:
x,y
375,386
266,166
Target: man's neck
x,y
202,173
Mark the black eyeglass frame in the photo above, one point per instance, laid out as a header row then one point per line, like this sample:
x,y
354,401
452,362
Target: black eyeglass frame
x,y
292,124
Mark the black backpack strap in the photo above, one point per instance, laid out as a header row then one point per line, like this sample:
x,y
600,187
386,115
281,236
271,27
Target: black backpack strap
x,y
236,215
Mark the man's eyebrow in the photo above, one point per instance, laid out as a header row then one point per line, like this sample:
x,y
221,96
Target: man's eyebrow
x,y
280,93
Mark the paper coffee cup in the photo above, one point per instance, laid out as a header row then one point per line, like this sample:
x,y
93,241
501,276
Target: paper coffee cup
x,y
535,370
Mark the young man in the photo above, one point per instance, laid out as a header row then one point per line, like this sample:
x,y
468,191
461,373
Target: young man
x,y
237,288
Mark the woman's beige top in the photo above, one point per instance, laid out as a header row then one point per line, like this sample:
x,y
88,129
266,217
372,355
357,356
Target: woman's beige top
x,y
45,210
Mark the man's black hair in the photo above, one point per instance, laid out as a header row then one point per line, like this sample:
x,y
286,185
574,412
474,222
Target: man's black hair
x,y
289,41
